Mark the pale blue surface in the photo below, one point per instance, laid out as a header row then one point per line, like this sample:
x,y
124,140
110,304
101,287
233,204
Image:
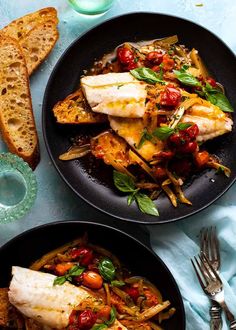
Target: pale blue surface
x,y
174,243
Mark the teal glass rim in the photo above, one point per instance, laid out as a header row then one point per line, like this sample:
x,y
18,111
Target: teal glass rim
x,y
18,187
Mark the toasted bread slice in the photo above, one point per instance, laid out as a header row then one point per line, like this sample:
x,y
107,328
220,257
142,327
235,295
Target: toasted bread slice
x,y
20,27
16,116
4,307
75,110
38,43
37,34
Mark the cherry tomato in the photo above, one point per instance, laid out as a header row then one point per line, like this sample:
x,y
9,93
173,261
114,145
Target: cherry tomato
x,y
62,268
211,81
168,63
192,131
155,57
86,320
165,155
84,255
177,139
182,167
170,97
92,280
133,293
104,313
201,158
161,119
125,55
189,147
131,66
73,318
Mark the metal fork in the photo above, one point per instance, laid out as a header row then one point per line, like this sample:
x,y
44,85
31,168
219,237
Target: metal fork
x,y
209,245
212,285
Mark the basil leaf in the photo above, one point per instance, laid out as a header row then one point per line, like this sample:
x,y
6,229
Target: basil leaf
x,y
186,78
147,75
123,182
117,283
59,280
99,326
76,271
182,126
145,136
163,132
112,317
107,269
220,100
131,197
146,205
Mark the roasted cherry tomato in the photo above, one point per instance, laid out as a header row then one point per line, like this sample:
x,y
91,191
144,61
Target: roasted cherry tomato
x,y
86,320
192,131
62,268
211,81
92,280
165,155
125,55
104,313
160,172
177,139
133,293
168,63
170,97
84,255
201,158
154,57
188,147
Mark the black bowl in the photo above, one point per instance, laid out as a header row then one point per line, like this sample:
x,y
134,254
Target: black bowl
x,y
96,186
29,246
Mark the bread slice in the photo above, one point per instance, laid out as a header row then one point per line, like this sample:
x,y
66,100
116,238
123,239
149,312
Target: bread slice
x,y
74,109
38,43
4,307
37,34
20,27
16,116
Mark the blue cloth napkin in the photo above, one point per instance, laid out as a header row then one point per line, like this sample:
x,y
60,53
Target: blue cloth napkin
x,y
177,243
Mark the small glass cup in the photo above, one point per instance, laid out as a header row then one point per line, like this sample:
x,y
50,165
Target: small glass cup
x,y
18,187
91,7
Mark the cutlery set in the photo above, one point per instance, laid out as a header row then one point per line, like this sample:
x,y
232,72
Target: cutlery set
x,y
206,266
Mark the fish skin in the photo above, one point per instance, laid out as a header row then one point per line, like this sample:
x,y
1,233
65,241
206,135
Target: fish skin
x,y
35,296
116,94
211,121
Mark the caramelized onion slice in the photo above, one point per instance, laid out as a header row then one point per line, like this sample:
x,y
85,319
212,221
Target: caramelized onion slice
x,y
76,152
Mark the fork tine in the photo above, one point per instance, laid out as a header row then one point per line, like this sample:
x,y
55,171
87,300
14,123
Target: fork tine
x,y
215,245
197,273
205,267
214,274
204,242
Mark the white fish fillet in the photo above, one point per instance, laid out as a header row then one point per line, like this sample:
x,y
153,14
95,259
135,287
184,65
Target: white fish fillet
x,y
131,130
211,121
34,295
116,94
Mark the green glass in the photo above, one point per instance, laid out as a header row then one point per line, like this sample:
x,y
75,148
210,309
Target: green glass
x,y
91,7
18,187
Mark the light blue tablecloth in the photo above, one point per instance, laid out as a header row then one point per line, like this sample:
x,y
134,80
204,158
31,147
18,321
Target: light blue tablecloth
x,y
174,243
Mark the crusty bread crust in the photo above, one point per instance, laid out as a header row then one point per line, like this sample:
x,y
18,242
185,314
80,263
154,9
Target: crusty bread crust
x,y
4,307
16,115
20,27
75,110
36,33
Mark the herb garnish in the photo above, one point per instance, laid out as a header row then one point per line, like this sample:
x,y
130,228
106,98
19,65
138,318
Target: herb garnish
x,y
107,269
125,183
117,283
106,324
148,75
213,95
74,271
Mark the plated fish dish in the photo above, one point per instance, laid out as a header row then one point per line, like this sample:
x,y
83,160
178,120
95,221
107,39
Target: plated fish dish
x,y
81,286
156,105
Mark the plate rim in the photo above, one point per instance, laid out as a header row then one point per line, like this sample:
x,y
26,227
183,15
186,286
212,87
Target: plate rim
x,y
47,91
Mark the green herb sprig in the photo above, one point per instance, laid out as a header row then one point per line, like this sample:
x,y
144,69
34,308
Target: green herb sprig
x,y
213,95
125,183
107,323
74,271
107,269
148,75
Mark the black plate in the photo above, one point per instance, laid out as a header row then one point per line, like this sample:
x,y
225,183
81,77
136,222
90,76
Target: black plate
x,y
45,238
97,187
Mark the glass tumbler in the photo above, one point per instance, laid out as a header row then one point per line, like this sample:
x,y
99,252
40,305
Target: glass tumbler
x,y
91,7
